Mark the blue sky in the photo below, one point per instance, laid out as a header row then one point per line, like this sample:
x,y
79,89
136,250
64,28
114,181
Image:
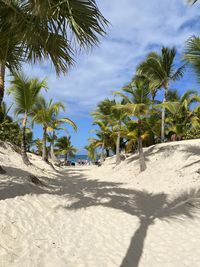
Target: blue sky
x,y
137,27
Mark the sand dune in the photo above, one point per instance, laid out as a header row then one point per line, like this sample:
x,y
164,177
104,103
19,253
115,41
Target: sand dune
x,y
103,216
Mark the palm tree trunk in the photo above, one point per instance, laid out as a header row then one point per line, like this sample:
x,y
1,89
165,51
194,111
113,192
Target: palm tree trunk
x,y
163,117
140,150
141,155
44,149
66,158
2,79
107,153
53,157
118,159
102,152
23,142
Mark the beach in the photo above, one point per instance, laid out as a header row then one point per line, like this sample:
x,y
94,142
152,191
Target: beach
x,y
102,216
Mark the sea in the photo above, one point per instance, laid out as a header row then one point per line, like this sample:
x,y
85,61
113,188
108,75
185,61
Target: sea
x,y
75,159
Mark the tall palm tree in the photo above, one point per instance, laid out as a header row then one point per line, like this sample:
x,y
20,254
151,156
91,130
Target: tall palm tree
x,y
45,113
64,147
38,30
159,68
103,113
138,107
102,133
117,118
114,118
57,125
25,92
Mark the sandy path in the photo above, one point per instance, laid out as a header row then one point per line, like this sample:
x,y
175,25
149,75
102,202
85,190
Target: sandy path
x,y
87,222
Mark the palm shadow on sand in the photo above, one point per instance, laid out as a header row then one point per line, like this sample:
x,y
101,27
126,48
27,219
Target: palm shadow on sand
x,y
147,207
85,193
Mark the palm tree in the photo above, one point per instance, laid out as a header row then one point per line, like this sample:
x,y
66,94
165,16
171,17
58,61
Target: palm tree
x,y
64,147
57,125
102,133
117,118
103,113
138,106
39,144
182,118
192,53
25,92
114,118
4,110
159,68
38,30
91,149
45,113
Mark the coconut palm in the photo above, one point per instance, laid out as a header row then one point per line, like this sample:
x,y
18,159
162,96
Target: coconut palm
x,y
182,117
38,30
103,134
117,118
114,118
4,110
91,149
192,53
57,124
159,68
138,106
64,147
45,113
25,92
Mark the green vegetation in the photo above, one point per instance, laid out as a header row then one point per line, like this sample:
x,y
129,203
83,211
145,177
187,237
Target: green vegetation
x,y
34,31
38,30
139,118
64,147
32,108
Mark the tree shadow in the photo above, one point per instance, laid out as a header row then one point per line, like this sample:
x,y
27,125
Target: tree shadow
x,y
192,151
166,151
191,164
147,207
85,193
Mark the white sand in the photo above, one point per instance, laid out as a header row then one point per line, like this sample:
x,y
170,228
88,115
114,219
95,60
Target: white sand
x,y
103,217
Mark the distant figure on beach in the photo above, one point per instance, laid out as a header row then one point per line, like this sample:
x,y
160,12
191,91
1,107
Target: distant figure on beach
x,y
79,161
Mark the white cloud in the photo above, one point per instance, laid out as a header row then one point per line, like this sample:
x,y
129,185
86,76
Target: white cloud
x,y
135,27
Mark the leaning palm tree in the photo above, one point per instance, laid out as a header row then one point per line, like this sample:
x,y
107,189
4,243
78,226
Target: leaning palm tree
x,y
45,113
159,68
64,147
25,92
38,30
